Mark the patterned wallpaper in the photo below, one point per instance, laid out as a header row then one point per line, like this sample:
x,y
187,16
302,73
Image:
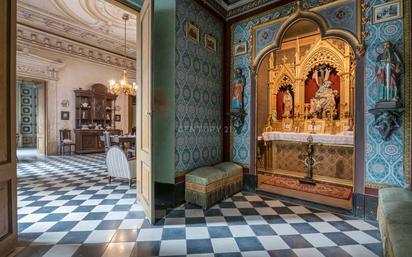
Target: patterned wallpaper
x,y
384,160
199,90
240,32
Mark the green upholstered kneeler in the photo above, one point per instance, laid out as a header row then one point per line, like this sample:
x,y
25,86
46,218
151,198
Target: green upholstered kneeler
x,y
233,181
394,216
204,186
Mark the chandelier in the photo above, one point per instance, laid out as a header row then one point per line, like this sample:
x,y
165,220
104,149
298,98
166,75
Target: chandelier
x,y
123,86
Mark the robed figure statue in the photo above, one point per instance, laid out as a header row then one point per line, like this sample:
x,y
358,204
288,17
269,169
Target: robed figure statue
x,y
388,70
238,87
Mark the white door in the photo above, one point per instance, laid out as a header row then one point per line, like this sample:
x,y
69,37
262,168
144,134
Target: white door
x,y
8,189
144,100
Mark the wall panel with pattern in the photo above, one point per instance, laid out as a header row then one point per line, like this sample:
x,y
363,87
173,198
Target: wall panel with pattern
x,y
384,162
199,89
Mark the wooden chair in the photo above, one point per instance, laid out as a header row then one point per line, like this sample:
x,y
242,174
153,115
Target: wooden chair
x,y
119,166
66,141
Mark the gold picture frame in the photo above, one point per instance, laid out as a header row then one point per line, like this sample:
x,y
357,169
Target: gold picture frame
x,y
210,42
315,126
240,48
387,11
287,125
192,32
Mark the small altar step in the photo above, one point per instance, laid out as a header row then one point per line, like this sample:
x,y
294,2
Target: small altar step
x,y
298,175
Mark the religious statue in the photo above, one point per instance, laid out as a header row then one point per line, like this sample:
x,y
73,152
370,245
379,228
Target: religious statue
x,y
287,104
324,100
237,113
388,70
239,84
388,109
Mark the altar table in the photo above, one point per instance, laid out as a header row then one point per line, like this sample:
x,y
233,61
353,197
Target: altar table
x,y
338,139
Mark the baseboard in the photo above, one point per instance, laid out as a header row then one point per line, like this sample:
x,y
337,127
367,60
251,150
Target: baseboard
x,y
249,182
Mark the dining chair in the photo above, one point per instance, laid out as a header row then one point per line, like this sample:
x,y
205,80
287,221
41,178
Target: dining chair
x,y
66,141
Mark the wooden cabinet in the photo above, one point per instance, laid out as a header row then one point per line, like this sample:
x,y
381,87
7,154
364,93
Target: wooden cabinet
x,y
95,111
88,140
95,108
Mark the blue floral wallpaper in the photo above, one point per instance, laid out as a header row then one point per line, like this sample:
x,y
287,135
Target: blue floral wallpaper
x,y
199,89
384,160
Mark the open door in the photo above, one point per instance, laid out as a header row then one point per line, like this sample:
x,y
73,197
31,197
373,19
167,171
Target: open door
x,y
8,189
144,100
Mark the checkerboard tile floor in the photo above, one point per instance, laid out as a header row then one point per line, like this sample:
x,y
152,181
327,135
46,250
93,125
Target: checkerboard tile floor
x,y
67,208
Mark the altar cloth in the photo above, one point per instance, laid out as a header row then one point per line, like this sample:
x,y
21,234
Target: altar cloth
x,y
338,139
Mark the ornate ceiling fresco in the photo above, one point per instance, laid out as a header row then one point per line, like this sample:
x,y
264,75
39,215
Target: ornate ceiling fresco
x,y
91,22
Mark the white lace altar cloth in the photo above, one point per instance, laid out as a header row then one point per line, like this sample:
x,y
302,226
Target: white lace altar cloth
x,y
338,139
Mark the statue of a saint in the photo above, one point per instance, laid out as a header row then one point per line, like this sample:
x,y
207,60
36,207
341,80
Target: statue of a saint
x,y
388,69
287,104
239,83
324,100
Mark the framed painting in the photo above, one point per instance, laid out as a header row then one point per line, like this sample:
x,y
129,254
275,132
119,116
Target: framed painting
x,y
65,115
240,48
192,32
210,42
117,117
387,11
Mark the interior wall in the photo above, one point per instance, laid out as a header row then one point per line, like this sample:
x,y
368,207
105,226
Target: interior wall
x,y
199,89
383,162
188,90
76,74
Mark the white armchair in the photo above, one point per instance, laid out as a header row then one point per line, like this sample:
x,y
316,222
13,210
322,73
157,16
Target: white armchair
x,y
119,166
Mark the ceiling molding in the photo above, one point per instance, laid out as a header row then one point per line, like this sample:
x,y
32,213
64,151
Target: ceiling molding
x,y
237,8
96,24
32,66
34,38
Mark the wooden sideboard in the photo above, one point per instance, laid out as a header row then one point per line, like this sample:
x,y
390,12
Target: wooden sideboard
x,y
95,108
88,140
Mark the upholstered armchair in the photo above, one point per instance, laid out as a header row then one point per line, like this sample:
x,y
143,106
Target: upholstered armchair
x,y
118,166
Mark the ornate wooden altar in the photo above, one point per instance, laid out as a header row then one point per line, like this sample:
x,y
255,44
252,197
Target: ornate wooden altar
x,y
310,105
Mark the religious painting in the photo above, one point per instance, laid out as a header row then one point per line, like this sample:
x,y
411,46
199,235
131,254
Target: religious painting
x,y
117,117
387,11
65,115
210,42
240,48
238,89
192,32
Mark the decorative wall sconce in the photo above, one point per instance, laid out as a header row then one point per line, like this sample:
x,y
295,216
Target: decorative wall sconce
x,y
65,103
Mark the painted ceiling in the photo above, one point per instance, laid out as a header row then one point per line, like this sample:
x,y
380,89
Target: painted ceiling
x,y
92,22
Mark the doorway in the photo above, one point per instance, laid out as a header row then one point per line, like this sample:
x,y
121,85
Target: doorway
x,y
31,117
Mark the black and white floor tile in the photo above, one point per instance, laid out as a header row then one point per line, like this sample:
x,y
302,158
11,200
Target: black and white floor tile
x,y
67,208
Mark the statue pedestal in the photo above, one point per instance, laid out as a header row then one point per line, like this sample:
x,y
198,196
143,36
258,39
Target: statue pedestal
x,y
387,115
